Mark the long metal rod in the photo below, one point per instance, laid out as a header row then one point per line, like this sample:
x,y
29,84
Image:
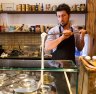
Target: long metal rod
x,y
68,83
43,35
64,33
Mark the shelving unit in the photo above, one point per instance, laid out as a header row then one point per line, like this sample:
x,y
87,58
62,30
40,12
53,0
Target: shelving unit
x,y
39,12
20,33
34,12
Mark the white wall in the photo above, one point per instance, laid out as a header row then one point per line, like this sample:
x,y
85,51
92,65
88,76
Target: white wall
x,y
42,18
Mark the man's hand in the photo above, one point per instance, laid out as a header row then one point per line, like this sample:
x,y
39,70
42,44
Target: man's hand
x,y
67,34
82,32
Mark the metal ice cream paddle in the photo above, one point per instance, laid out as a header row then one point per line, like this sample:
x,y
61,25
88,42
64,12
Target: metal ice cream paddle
x,y
43,35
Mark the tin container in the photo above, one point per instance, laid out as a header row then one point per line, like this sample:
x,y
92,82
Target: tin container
x,y
27,7
1,7
20,7
30,8
17,7
33,7
23,7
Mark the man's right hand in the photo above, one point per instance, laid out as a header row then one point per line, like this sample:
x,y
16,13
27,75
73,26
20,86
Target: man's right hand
x,y
67,34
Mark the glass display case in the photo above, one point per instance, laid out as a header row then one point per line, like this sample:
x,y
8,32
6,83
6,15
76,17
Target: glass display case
x,y
19,76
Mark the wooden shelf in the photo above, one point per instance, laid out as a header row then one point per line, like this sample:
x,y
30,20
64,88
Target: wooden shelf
x,y
19,33
39,12
78,12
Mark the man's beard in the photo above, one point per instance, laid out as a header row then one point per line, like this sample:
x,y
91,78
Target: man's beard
x,y
63,24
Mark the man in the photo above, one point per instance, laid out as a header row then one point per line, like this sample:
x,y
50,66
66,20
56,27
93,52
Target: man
x,y
62,41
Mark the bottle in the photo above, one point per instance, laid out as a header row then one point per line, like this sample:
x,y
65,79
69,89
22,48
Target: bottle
x,y
36,7
42,7
3,28
6,27
37,29
39,7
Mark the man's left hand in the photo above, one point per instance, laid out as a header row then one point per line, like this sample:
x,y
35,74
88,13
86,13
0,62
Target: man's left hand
x,y
82,32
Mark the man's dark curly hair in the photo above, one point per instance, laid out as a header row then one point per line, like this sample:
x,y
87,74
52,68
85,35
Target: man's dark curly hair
x,y
63,7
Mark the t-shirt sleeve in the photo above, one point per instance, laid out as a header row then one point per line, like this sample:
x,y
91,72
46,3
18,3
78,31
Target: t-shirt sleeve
x,y
51,35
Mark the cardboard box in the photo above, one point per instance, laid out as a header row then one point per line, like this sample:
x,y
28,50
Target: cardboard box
x,y
8,6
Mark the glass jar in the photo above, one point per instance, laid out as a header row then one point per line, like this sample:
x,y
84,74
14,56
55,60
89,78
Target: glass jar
x,y
82,7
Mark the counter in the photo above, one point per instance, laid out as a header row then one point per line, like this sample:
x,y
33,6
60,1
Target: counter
x,y
87,77
11,68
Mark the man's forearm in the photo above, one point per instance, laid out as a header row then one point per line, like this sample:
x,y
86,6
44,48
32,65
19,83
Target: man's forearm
x,y
82,41
51,44
82,34
79,42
